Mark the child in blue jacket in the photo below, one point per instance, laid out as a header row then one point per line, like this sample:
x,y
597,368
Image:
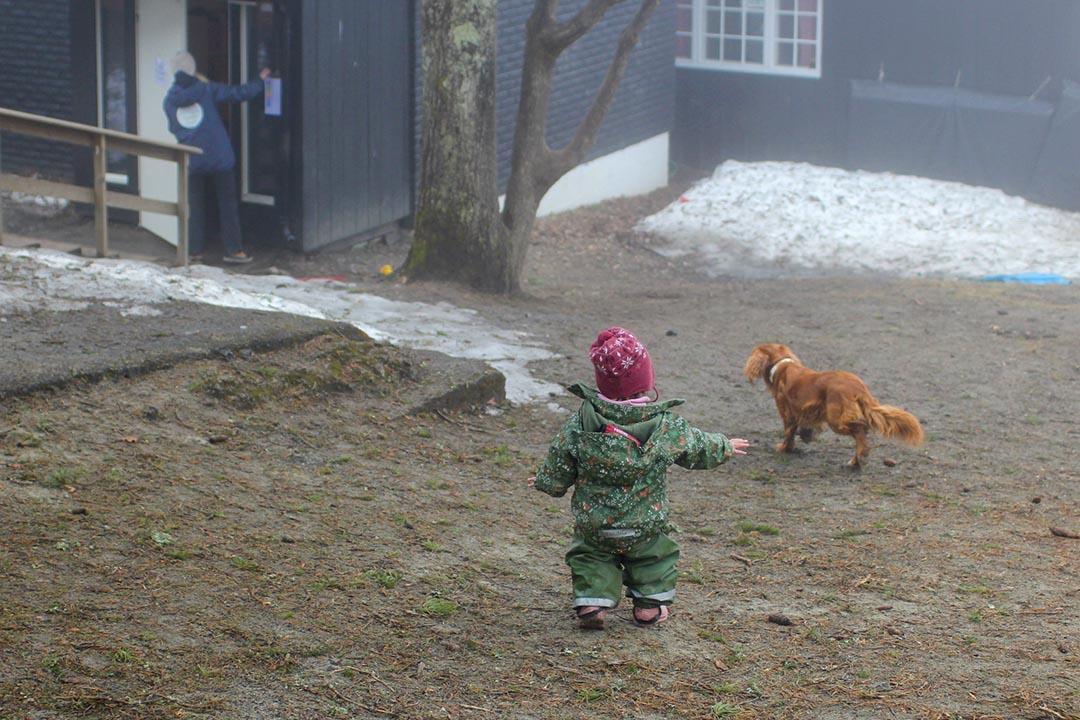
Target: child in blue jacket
x,y
191,109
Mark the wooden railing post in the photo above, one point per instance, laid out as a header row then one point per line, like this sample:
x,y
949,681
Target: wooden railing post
x,y
183,215
101,209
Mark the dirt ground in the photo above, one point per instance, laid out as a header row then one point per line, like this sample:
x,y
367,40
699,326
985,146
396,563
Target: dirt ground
x,y
271,537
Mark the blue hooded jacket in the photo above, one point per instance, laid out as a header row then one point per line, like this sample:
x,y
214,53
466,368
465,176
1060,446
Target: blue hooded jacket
x,y
190,106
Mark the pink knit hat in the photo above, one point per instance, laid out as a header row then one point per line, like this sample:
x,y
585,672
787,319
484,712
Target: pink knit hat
x,y
622,364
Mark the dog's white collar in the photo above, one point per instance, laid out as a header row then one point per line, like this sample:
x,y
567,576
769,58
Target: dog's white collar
x,y
772,373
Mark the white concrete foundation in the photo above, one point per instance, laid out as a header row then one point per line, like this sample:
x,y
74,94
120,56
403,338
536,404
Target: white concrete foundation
x,y
634,170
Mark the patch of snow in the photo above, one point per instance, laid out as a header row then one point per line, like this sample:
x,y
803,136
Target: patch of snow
x,y
770,218
43,205
45,280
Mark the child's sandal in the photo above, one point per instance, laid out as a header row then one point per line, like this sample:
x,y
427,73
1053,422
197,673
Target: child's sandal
x,y
652,620
591,618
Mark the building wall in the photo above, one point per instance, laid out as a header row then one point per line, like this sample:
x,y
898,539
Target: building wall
x,y
997,46
36,77
357,142
643,105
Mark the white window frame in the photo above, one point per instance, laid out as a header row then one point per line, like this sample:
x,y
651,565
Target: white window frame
x,y
769,66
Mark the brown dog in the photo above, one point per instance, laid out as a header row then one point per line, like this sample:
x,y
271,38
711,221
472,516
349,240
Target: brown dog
x,y
807,400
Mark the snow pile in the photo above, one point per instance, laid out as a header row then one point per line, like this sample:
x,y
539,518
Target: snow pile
x,y
43,280
780,217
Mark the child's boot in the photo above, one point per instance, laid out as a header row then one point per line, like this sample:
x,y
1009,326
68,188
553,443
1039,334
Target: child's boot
x,y
591,617
650,617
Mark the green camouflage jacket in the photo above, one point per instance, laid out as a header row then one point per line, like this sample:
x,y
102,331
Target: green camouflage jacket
x,y
620,493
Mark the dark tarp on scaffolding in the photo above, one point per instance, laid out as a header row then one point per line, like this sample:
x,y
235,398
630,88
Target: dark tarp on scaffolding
x,y
1056,178
951,133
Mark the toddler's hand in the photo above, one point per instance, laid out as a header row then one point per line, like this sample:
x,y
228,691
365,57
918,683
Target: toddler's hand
x,y
739,446
532,481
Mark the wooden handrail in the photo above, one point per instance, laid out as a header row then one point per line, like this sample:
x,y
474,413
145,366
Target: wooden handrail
x,y
101,140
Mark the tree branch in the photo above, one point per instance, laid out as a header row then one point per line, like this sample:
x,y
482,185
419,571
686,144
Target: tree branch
x,y
574,152
562,35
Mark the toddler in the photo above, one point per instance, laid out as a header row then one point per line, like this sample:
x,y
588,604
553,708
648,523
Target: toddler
x,y
615,451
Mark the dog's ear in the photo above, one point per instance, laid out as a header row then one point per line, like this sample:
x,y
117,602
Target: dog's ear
x,y
755,365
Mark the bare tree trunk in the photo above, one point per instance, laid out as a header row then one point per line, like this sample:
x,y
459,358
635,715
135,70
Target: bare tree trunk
x,y
457,234
535,167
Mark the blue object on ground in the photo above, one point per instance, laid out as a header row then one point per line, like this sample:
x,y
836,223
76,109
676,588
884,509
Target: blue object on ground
x,y
1030,278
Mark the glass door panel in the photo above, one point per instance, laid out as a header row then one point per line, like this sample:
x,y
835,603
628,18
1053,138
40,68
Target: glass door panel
x,y
251,33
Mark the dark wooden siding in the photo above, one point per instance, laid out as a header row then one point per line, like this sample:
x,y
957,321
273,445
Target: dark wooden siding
x,y
643,105
36,65
998,46
357,102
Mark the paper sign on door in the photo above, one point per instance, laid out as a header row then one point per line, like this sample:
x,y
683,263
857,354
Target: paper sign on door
x,y
272,96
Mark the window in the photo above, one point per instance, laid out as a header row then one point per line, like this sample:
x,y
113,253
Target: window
x,y
115,20
781,37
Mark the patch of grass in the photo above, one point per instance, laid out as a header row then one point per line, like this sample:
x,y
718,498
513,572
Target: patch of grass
x,y
62,476
423,432
241,563
123,655
500,455
431,546
52,664
976,616
748,526
863,674
695,574
341,368
761,476
588,695
726,688
438,607
725,710
386,579
847,534
706,531
712,636
364,363
974,589
743,540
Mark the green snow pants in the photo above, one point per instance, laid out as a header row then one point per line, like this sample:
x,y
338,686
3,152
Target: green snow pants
x,y
647,569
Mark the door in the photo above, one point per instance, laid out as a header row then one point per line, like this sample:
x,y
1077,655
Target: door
x,y
160,31
257,124
232,40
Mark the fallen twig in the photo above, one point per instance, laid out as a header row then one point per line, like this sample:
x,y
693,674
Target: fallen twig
x,y
745,560
449,419
176,414
1062,532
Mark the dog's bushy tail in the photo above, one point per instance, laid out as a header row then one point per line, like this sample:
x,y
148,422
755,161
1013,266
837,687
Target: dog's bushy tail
x,y
892,422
